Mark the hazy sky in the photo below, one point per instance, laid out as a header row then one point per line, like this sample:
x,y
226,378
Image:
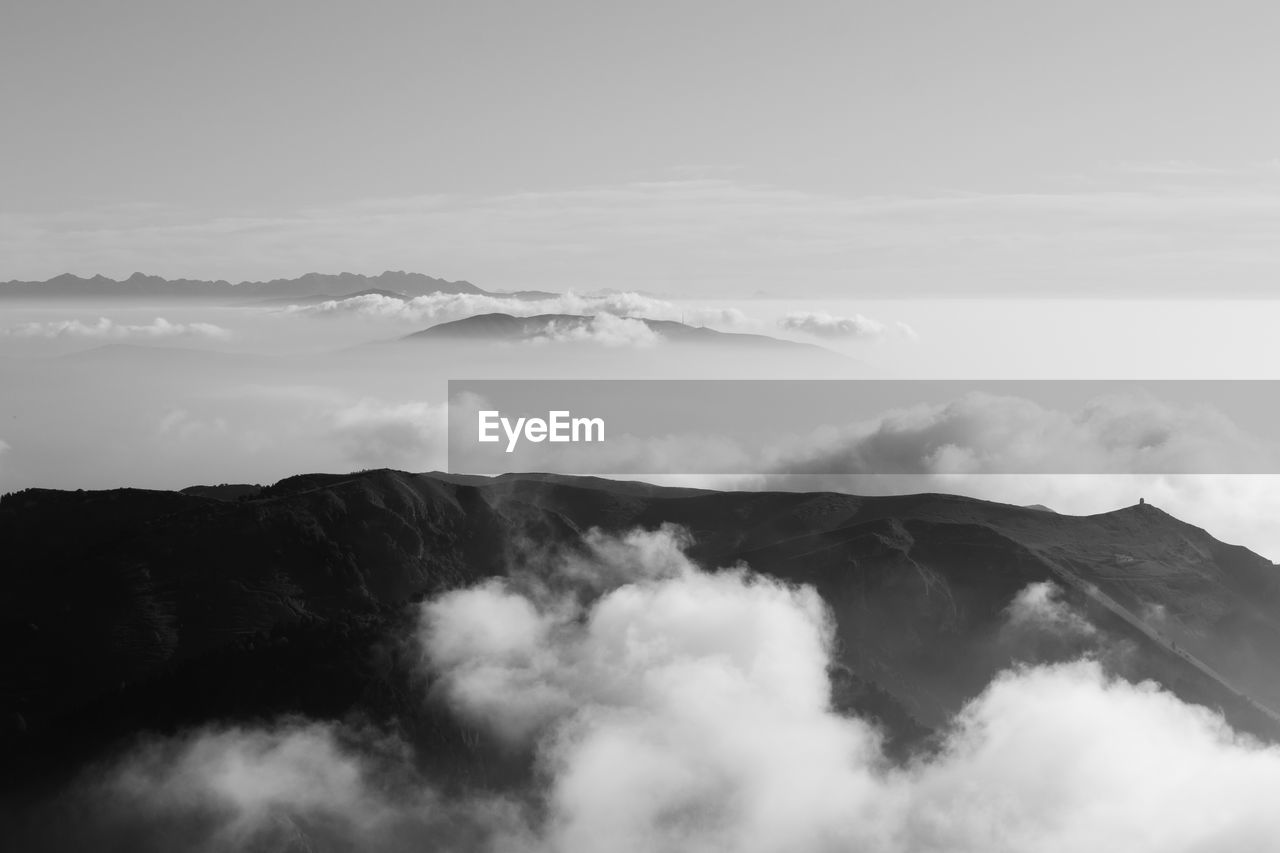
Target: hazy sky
x,y
691,147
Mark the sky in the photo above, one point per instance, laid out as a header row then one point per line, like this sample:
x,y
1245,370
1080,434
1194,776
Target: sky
x,y
692,149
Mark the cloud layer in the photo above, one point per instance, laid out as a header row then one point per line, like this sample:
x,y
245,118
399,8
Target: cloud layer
x,y
443,307
105,328
994,434
825,325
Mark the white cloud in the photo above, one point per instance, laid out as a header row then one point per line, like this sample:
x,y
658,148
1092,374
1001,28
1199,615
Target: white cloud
x,y
293,785
982,433
1062,758
1192,461
1239,508
680,710
603,329
374,433
106,328
443,307
252,777
825,325
1040,606
182,425
685,710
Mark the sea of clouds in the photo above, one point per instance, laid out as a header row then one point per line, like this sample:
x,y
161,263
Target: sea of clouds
x,y
104,328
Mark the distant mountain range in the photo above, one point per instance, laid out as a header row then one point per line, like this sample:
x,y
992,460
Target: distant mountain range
x,y
141,610
304,287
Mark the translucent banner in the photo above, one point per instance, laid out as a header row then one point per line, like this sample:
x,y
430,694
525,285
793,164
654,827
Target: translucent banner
x,y
649,427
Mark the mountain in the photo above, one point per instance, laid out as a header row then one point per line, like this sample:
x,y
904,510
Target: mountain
x,y
304,287
497,327
150,610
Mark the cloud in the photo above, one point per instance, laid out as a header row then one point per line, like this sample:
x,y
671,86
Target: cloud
x,y
1043,626
1192,461
976,434
603,329
982,433
277,426
825,325
687,710
105,328
679,710
373,433
1040,606
293,785
668,708
443,307
1064,758
255,780
182,425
